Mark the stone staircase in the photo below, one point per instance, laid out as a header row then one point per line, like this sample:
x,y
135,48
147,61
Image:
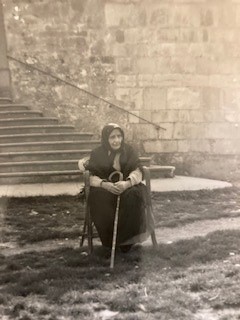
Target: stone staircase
x,y
37,149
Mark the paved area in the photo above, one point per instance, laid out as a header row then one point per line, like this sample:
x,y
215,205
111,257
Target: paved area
x,y
194,229
182,183
178,183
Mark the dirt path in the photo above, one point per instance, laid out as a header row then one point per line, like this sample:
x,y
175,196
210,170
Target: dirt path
x,y
164,235
195,229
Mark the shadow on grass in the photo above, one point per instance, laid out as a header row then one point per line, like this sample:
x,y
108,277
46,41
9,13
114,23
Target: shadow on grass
x,y
173,209
55,272
42,218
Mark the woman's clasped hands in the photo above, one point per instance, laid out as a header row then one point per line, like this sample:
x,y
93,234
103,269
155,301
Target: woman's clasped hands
x,y
117,187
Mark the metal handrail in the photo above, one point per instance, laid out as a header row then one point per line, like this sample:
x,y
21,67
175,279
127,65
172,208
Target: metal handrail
x,y
85,91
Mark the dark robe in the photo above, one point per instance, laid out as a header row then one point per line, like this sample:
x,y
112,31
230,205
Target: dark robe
x,y
132,224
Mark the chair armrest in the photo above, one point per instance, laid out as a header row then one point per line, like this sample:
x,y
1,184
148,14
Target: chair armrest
x,y
82,163
86,179
147,178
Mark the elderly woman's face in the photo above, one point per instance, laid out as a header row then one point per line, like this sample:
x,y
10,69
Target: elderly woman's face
x,y
115,139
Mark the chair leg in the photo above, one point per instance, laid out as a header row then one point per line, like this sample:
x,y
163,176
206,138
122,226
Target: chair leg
x,y
89,232
150,215
151,224
83,233
89,227
85,225
154,239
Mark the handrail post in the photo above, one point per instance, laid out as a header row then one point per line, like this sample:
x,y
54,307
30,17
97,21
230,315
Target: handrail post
x,y
5,79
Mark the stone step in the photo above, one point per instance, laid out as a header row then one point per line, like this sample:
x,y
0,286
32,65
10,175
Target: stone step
x,y
68,175
27,121
52,145
13,107
53,155
20,114
35,129
68,136
145,161
38,166
43,155
40,177
158,171
43,165
35,149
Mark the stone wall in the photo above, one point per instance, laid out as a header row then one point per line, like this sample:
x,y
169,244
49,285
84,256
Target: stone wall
x,y
175,63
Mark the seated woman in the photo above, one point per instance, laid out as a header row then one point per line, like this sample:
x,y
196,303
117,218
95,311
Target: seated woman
x,y
115,155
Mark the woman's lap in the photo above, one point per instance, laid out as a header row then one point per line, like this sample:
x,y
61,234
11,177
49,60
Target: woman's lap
x,y
131,213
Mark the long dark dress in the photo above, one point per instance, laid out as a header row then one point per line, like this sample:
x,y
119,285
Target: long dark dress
x,y
132,226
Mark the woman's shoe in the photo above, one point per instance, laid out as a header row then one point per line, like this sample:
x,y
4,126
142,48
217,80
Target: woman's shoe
x,y
126,248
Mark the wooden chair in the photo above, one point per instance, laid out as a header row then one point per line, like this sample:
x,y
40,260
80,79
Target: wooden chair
x,y
87,232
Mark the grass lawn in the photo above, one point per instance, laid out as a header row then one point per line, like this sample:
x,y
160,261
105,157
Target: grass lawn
x,y
192,279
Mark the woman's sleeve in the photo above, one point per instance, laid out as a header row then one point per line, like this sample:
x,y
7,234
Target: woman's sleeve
x,y
135,176
95,181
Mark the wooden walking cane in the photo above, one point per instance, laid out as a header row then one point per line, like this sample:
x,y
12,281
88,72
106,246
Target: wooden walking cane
x,y
115,221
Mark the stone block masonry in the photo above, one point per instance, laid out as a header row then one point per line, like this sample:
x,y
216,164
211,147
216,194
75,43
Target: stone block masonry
x,y
175,63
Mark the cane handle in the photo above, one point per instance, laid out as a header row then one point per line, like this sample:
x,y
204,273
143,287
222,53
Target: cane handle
x,y
120,175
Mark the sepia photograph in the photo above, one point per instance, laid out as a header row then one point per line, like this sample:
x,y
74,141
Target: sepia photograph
x,y
119,159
